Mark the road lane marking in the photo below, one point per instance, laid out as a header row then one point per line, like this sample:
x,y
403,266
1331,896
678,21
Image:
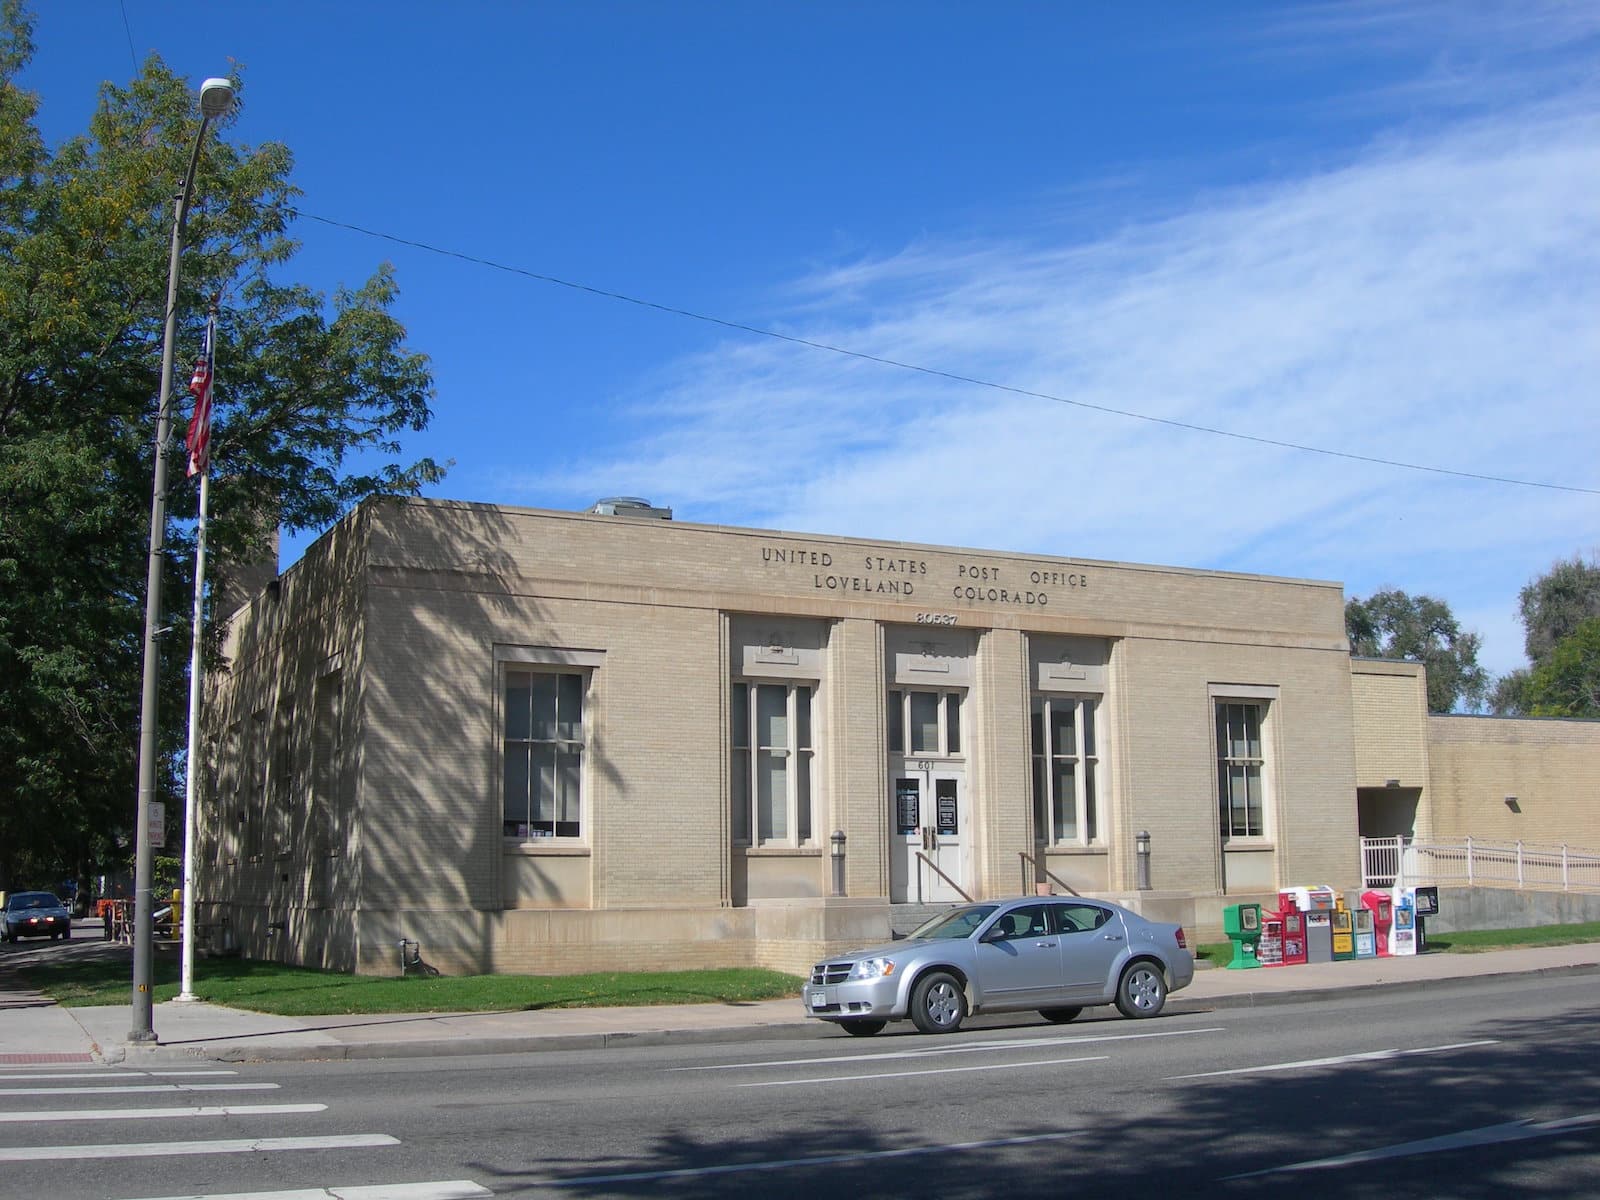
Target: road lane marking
x,y
962,1048
108,1074
124,1089
1012,1066
443,1189
1339,1060
353,1141
784,1164
140,1114
1489,1135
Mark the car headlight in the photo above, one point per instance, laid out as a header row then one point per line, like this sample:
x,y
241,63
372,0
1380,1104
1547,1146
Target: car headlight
x,y
872,968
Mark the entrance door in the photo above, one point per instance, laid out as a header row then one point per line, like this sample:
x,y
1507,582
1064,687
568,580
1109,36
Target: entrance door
x,y
928,843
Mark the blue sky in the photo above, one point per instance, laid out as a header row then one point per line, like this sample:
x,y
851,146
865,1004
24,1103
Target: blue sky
x,y
1368,228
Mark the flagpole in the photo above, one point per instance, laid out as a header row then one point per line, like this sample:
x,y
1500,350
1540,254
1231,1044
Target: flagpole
x,y
196,683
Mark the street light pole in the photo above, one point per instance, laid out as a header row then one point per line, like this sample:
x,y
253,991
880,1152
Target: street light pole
x,y
216,97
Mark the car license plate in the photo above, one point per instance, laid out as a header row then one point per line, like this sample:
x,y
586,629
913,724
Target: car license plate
x,y
818,1000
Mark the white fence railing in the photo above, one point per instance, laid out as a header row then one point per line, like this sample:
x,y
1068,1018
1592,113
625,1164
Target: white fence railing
x,y
1472,862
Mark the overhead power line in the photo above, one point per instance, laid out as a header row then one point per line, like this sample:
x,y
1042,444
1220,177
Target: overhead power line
x,y
935,372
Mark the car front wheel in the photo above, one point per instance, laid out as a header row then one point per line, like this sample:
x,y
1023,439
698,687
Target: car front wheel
x,y
938,1003
1143,990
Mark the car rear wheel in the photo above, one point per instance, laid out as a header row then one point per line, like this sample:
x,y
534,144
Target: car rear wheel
x,y
938,1003
1143,990
863,1028
1060,1016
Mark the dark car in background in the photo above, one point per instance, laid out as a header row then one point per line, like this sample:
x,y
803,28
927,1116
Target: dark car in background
x,y
1057,955
34,914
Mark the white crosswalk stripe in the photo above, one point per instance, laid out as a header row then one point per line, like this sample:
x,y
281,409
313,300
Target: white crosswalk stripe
x,y
444,1189
123,1089
152,1114
263,1145
117,1074
88,1086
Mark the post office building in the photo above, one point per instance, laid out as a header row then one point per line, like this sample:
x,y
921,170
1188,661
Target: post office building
x,y
552,741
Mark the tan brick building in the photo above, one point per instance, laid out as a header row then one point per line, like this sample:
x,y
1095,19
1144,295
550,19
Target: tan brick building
x,y
550,741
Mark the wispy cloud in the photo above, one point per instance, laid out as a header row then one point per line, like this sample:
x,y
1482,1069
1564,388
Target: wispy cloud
x,y
1431,300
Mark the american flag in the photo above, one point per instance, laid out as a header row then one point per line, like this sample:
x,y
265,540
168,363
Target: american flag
x,y
199,440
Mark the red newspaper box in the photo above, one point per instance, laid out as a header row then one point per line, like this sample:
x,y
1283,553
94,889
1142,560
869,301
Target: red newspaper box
x,y
1381,906
1294,936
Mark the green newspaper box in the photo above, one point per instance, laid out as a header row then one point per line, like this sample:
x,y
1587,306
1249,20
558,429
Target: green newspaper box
x,y
1242,924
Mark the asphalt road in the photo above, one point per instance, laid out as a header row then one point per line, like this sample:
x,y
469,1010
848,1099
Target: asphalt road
x,y
1479,1089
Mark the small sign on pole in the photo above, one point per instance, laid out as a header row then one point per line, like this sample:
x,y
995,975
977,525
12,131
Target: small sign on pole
x,y
156,823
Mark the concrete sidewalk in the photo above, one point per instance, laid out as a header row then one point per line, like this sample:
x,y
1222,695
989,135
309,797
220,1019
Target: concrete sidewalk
x,y
33,1031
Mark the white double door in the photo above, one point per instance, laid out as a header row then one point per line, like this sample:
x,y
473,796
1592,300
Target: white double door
x,y
929,840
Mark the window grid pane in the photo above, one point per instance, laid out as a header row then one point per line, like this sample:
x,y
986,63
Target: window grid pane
x,y
802,797
772,796
802,718
519,707
925,723
1090,812
740,779
1041,800
543,688
1066,824
739,717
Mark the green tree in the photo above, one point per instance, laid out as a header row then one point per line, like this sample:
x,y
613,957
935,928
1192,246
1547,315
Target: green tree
x,y
1553,607
1556,603
312,398
1567,682
1392,624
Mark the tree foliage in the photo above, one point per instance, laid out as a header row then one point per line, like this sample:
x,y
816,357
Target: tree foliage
x,y
1392,624
1567,682
1555,607
311,401
1556,603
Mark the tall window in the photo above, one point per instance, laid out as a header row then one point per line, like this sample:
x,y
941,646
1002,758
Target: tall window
x,y
1066,809
924,722
544,749
1240,768
773,763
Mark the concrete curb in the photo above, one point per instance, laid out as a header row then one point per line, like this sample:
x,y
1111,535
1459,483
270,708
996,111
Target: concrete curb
x,y
466,1047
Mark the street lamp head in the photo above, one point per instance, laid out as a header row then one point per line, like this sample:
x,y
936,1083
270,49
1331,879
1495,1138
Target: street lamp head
x,y
216,97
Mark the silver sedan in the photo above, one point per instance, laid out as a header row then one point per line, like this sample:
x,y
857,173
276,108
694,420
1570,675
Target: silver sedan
x,y
34,914
1058,955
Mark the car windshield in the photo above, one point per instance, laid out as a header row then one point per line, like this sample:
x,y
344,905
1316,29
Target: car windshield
x,y
32,900
957,923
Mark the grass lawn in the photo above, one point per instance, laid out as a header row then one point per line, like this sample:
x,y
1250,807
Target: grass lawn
x,y
298,992
1476,941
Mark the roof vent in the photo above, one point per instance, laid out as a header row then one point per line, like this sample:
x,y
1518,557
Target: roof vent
x,y
630,506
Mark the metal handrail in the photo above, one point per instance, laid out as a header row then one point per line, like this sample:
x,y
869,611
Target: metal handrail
x,y
1029,860
1475,862
932,866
